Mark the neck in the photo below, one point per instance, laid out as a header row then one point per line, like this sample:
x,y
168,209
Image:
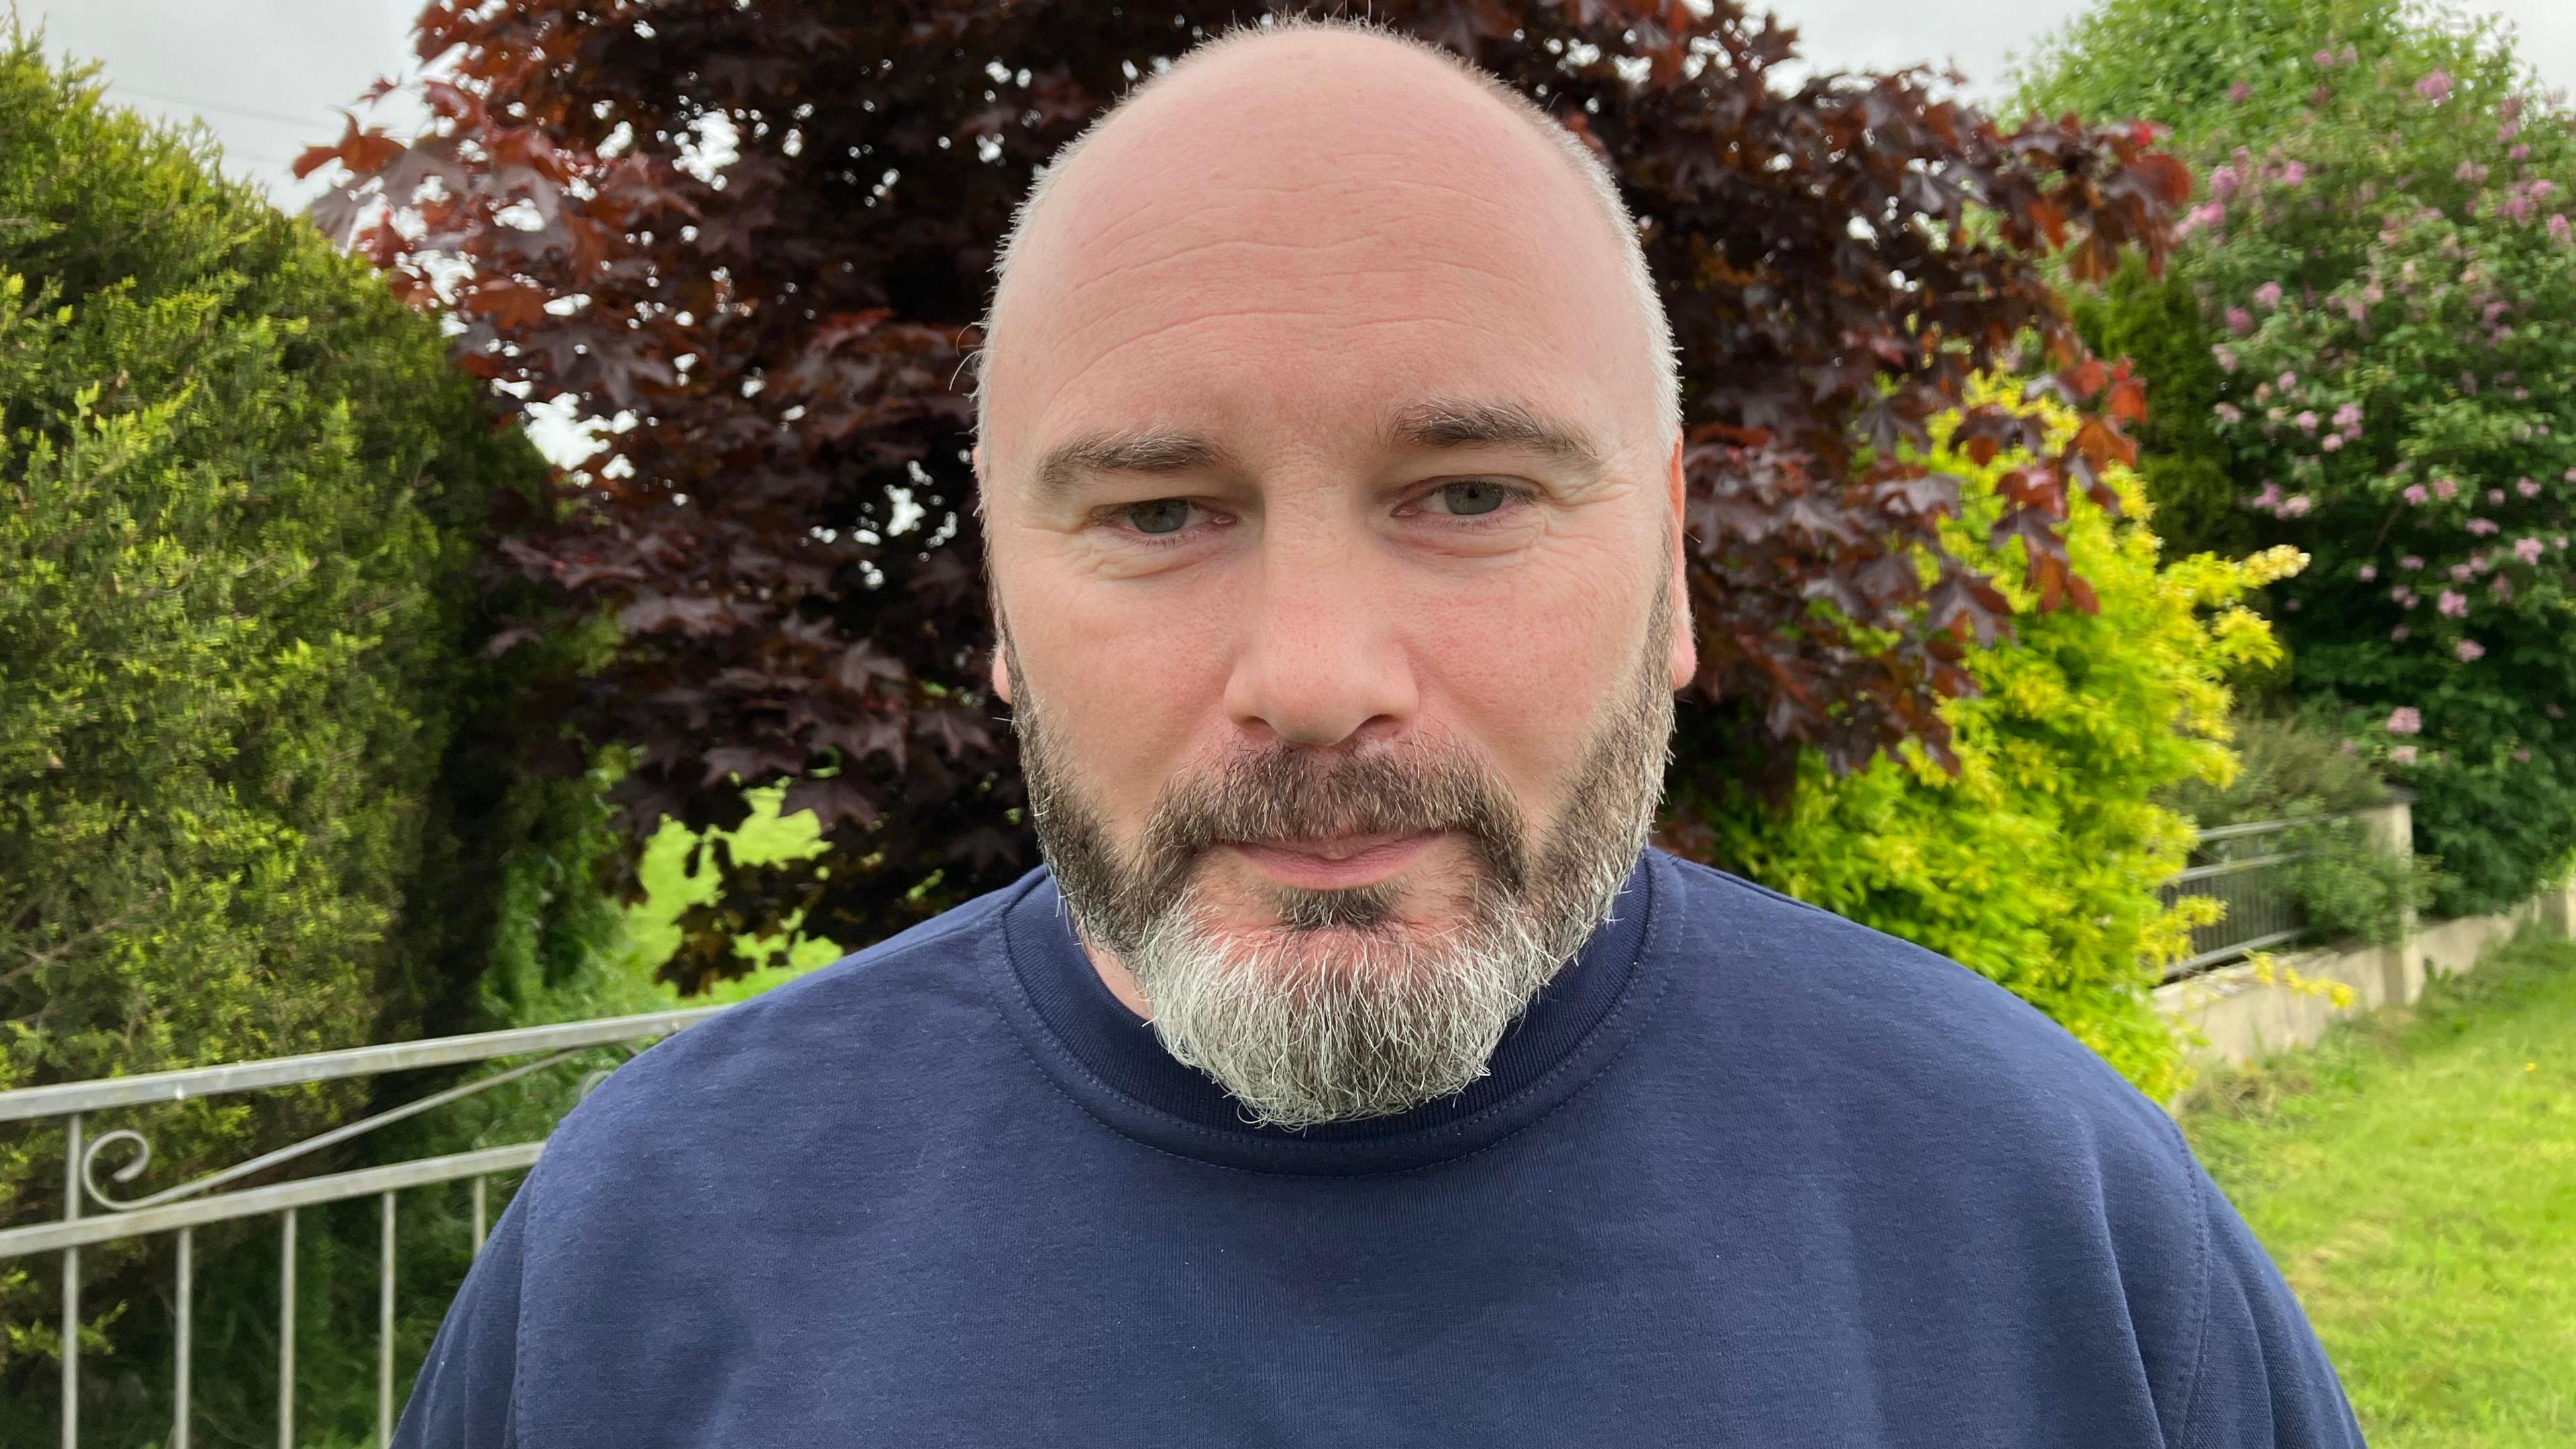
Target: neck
x,y
1121,982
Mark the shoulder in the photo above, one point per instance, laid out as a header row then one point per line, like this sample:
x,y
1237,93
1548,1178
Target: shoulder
x,y
1857,1015
866,1039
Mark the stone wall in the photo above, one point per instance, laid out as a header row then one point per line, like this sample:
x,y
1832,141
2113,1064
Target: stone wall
x,y
2239,1016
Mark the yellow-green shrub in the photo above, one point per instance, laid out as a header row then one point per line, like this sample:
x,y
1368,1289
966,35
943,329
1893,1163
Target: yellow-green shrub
x,y
2037,863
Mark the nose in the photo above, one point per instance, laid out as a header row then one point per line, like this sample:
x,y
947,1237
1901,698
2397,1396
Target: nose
x,y
1322,661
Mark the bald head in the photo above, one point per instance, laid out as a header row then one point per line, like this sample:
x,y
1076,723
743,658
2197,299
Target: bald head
x,y
1320,111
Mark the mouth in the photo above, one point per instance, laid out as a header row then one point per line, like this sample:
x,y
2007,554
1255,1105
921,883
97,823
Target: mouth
x,y
1342,862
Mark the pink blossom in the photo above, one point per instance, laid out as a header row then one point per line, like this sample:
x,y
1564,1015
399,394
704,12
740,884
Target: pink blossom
x,y
2452,605
2239,321
2462,572
2415,493
2289,380
2522,757
2509,107
2520,152
2226,357
2348,416
2228,413
2355,309
2325,58
2239,91
2410,561
2501,587
2399,633
2307,422
2208,213
2527,487
2470,651
2295,506
2508,131
2540,186
2527,550
2405,720
2446,487
2369,572
2434,87
2333,443
2469,171
2294,173
2560,228
2222,182
2267,297
2516,208
2402,755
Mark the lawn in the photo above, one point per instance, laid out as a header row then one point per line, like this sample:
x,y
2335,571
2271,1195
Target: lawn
x,y
2415,1177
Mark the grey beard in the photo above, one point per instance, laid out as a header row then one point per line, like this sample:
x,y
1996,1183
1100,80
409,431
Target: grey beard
x,y
1341,1011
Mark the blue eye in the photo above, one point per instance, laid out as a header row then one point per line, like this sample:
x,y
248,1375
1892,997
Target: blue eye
x,y
1465,500
1159,515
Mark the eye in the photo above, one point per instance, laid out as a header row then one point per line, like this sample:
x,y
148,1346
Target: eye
x,y
1157,515
1469,498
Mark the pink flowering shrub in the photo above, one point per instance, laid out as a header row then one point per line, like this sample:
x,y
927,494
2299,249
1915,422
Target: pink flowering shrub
x,y
2394,285
2366,348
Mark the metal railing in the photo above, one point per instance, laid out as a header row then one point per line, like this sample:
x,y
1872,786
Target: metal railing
x,y
93,1215
2246,870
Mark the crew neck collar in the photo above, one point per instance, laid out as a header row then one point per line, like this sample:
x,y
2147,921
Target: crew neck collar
x,y
1109,1060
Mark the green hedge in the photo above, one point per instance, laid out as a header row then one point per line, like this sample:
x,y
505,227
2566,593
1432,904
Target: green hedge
x,y
258,793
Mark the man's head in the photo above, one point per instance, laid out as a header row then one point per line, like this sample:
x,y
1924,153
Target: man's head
x,y
1330,465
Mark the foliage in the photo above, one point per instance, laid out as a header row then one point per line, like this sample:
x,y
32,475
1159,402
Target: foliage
x,y
2304,766
2391,1173
2379,264
254,786
2155,323
756,236
2243,66
2037,863
2401,400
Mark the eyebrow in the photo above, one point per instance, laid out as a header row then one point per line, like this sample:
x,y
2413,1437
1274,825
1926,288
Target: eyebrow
x,y
1446,424
1426,426
1068,464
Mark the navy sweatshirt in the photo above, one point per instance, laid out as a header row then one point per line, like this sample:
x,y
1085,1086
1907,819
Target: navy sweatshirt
x,y
1745,1174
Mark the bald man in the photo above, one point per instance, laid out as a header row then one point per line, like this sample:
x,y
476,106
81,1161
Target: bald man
x,y
1354,1074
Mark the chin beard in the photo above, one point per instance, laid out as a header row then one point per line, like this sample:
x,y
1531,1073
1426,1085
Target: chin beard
x,y
1357,1003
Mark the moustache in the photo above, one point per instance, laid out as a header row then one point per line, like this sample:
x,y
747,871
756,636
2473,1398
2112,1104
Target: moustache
x,y
1295,793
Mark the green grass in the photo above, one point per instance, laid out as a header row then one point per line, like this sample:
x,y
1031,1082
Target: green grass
x,y
2415,1178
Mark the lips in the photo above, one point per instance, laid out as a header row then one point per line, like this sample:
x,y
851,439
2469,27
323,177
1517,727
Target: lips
x,y
1339,863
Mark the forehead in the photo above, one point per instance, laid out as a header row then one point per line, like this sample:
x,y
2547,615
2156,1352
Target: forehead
x,y
1312,244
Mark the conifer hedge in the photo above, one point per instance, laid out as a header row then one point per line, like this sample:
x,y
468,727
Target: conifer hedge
x,y
257,790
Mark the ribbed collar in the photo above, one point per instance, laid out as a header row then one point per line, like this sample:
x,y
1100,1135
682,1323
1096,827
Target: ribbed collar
x,y
1109,1060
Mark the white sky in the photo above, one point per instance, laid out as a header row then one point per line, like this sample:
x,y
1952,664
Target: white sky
x,y
268,75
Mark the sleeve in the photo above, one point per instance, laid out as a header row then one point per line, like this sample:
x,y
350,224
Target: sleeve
x,y
467,1394
2260,1378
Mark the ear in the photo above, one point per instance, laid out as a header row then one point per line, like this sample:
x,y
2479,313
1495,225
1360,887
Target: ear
x,y
1001,645
1685,661
992,589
